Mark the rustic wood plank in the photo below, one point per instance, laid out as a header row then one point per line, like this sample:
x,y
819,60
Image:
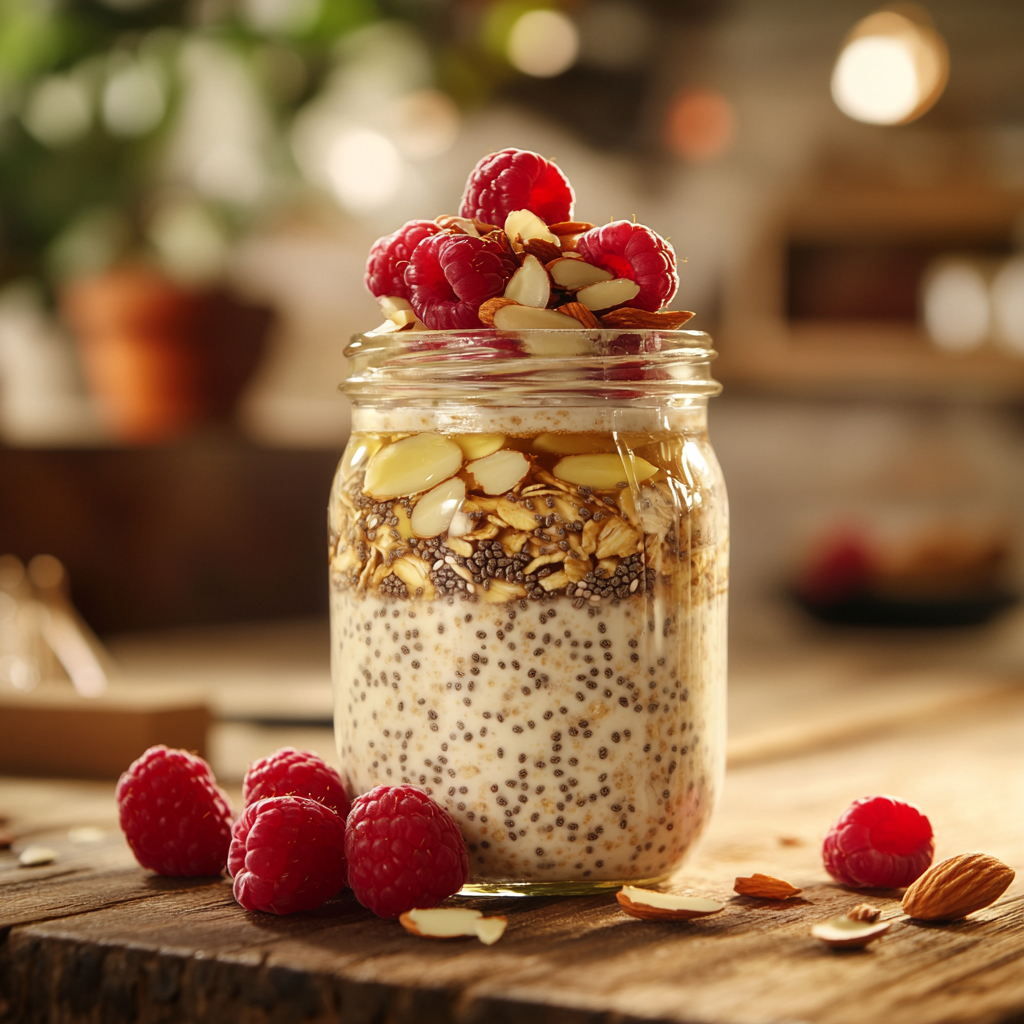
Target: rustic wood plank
x,y
120,945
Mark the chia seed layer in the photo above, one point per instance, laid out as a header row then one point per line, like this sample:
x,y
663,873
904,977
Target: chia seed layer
x,y
553,672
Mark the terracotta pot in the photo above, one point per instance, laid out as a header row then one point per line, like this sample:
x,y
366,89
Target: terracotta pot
x,y
161,359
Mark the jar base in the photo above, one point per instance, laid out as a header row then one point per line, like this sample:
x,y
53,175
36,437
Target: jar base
x,y
569,887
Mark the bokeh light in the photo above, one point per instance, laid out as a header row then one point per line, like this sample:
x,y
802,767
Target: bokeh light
x,y
700,126
543,43
956,305
892,68
134,99
1008,306
364,169
58,111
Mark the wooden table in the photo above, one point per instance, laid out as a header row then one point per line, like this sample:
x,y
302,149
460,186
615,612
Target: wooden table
x,y
93,938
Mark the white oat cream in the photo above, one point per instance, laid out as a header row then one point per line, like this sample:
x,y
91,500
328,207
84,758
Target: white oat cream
x,y
528,610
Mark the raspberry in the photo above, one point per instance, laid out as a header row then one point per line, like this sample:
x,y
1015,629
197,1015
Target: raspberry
x,y
403,851
287,854
175,818
389,256
879,842
516,179
449,275
634,251
289,772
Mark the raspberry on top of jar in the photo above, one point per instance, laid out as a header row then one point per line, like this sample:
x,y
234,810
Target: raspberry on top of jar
x,y
514,259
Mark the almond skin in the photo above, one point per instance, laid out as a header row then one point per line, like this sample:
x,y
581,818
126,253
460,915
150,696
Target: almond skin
x,y
957,887
580,312
642,319
765,887
544,251
490,307
687,908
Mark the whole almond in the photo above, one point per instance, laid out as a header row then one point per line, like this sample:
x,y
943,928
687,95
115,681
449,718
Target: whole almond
x,y
765,887
957,887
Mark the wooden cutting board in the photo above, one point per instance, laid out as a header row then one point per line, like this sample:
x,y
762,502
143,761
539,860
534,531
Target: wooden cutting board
x,y
95,938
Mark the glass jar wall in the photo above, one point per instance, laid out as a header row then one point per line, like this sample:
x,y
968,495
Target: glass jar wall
x,y
528,570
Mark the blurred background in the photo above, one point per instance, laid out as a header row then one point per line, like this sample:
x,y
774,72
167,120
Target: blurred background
x,y
187,194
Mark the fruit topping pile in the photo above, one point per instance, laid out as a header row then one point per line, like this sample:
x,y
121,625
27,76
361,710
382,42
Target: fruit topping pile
x,y
514,259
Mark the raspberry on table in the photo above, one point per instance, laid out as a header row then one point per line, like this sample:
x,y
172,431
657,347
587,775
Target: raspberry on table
x,y
634,251
290,772
516,179
175,818
287,854
879,842
404,851
449,275
389,256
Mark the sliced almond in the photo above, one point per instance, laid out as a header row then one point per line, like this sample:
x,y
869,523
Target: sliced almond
x,y
411,465
490,929
602,472
37,856
511,316
846,933
522,225
433,513
630,318
390,304
530,284
573,444
463,224
557,344
460,546
441,922
570,227
765,887
544,251
500,472
664,906
388,327
864,912
476,446
575,273
490,307
405,318
606,294
580,312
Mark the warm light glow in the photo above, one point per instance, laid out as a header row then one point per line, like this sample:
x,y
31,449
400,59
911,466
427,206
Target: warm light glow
x,y
1008,306
892,68
701,125
542,44
956,306
875,80
364,169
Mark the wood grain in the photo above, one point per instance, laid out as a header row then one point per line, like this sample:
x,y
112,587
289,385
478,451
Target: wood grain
x,y
108,942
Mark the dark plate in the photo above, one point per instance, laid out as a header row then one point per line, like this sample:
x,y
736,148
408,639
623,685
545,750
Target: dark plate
x,y
911,613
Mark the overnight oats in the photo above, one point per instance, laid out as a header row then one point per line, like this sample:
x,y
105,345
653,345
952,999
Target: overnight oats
x,y
528,568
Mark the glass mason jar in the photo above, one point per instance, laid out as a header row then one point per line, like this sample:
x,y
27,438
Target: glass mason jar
x,y
528,538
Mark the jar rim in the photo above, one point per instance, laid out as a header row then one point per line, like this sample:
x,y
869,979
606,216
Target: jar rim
x,y
658,361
